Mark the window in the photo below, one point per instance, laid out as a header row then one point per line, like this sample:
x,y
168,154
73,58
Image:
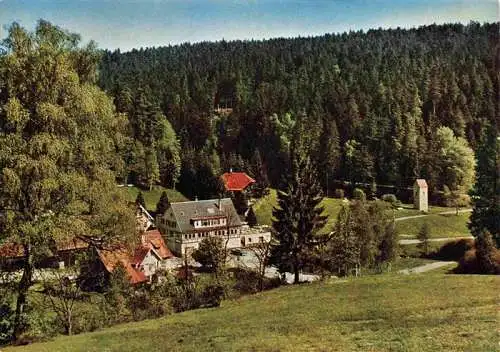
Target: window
x,y
261,239
249,239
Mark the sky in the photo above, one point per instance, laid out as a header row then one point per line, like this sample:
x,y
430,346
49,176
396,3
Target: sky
x,y
127,24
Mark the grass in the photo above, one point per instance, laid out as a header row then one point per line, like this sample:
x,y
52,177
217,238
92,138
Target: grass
x,y
152,197
264,209
449,225
431,312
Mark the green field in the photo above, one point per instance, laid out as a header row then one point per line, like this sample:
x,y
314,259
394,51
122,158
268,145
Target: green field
x,y
152,197
449,225
264,207
431,312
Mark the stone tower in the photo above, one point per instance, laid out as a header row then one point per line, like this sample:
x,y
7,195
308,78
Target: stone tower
x,y
421,195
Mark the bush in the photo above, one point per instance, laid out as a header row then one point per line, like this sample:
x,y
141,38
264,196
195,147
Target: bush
x,y
390,198
469,264
339,193
6,320
453,250
359,194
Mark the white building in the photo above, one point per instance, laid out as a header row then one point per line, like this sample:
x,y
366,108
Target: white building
x,y
185,224
421,195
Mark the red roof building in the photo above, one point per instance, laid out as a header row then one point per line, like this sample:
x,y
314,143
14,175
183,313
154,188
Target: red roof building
x,y
153,239
236,181
152,245
115,258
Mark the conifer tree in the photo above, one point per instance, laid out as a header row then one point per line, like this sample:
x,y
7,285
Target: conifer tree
x,y
298,217
139,200
486,192
423,236
163,204
251,217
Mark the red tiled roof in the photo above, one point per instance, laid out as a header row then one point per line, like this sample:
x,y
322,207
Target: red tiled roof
x,y
139,254
421,183
236,181
153,239
114,258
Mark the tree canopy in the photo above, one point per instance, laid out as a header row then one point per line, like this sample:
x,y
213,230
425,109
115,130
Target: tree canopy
x,y
60,138
387,91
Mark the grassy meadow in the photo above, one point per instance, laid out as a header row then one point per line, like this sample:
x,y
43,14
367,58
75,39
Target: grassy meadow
x,y
449,225
441,225
431,312
152,197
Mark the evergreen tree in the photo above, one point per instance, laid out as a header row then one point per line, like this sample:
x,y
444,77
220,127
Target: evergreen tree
x,y
485,254
163,204
261,186
344,247
424,234
486,192
139,200
298,215
251,218
329,154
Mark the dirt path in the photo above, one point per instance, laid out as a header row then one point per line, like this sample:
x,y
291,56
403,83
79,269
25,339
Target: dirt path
x,y
441,213
442,239
424,268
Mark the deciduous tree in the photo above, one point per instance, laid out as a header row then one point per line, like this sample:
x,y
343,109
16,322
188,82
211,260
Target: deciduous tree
x,y
60,142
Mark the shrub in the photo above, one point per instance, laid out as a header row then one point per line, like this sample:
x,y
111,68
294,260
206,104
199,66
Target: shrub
x,y
339,193
390,198
453,250
359,194
6,320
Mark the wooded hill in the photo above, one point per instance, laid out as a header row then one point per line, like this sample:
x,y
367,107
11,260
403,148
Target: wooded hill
x,y
373,101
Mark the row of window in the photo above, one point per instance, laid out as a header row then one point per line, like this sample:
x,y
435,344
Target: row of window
x,y
189,236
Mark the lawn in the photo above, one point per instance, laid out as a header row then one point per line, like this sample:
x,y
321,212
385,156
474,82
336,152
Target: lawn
x,y
449,225
152,197
431,312
441,225
264,208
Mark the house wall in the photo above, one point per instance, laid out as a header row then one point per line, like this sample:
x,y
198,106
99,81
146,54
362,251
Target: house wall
x,y
249,238
150,264
420,198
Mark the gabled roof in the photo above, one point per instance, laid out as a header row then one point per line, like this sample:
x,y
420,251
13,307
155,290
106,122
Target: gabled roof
x,y
236,181
421,183
113,258
199,209
153,239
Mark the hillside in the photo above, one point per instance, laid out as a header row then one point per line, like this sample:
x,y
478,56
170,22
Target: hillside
x,y
380,313
152,197
386,91
442,225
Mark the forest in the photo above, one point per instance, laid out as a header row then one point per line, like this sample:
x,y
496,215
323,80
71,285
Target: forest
x,y
373,101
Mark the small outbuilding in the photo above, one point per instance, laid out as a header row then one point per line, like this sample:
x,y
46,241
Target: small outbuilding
x,y
421,195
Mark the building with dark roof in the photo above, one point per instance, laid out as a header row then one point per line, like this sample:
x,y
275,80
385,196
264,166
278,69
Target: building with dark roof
x,y
185,224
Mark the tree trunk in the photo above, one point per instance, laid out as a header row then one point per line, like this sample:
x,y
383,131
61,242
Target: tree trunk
x,y
69,325
22,292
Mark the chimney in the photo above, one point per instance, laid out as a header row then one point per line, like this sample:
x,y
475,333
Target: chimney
x,y
219,205
195,198
230,170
